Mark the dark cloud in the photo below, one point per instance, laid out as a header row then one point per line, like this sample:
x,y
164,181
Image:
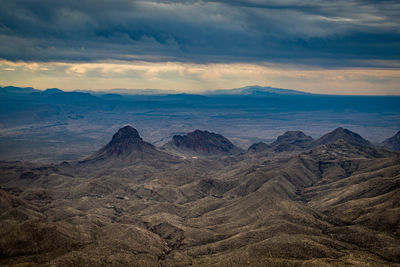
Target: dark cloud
x,y
325,33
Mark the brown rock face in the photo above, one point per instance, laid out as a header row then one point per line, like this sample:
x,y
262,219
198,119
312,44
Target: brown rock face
x,y
204,142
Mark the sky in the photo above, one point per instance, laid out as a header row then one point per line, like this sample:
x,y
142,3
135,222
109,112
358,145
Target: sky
x,y
335,47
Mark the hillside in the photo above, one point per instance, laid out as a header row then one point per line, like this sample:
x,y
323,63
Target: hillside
x,y
332,205
392,143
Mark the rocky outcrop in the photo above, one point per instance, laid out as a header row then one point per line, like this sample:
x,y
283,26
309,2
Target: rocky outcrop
x,y
203,142
340,133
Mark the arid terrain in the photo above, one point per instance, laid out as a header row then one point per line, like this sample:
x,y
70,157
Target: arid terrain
x,y
200,200
207,133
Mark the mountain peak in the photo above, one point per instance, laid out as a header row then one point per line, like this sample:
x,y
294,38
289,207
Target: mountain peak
x,y
341,130
52,91
124,141
257,90
341,133
204,142
289,141
126,134
293,137
125,144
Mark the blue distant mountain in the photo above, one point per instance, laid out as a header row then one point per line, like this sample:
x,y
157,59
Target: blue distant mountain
x,y
51,91
256,91
12,90
55,95
141,91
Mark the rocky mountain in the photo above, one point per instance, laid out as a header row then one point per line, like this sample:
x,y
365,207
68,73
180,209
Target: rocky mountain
x,y
125,146
259,147
256,90
392,143
333,205
341,133
289,141
12,90
296,138
125,142
204,143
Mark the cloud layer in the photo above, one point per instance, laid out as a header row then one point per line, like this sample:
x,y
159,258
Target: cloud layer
x,y
329,34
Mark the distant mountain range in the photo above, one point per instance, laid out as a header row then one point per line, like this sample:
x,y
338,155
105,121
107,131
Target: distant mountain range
x,y
248,90
134,91
12,90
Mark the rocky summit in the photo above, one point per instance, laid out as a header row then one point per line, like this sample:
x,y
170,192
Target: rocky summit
x,y
289,141
125,145
341,133
203,142
296,138
124,141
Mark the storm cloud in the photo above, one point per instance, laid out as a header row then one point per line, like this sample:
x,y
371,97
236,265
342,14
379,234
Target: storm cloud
x,y
319,33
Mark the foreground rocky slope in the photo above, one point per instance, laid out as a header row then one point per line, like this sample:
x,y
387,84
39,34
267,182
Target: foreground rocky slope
x,y
132,205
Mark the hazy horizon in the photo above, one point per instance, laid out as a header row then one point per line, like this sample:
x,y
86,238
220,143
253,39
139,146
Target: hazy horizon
x,y
183,91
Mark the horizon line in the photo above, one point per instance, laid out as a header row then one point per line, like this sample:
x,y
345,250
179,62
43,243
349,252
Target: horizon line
x,y
204,92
